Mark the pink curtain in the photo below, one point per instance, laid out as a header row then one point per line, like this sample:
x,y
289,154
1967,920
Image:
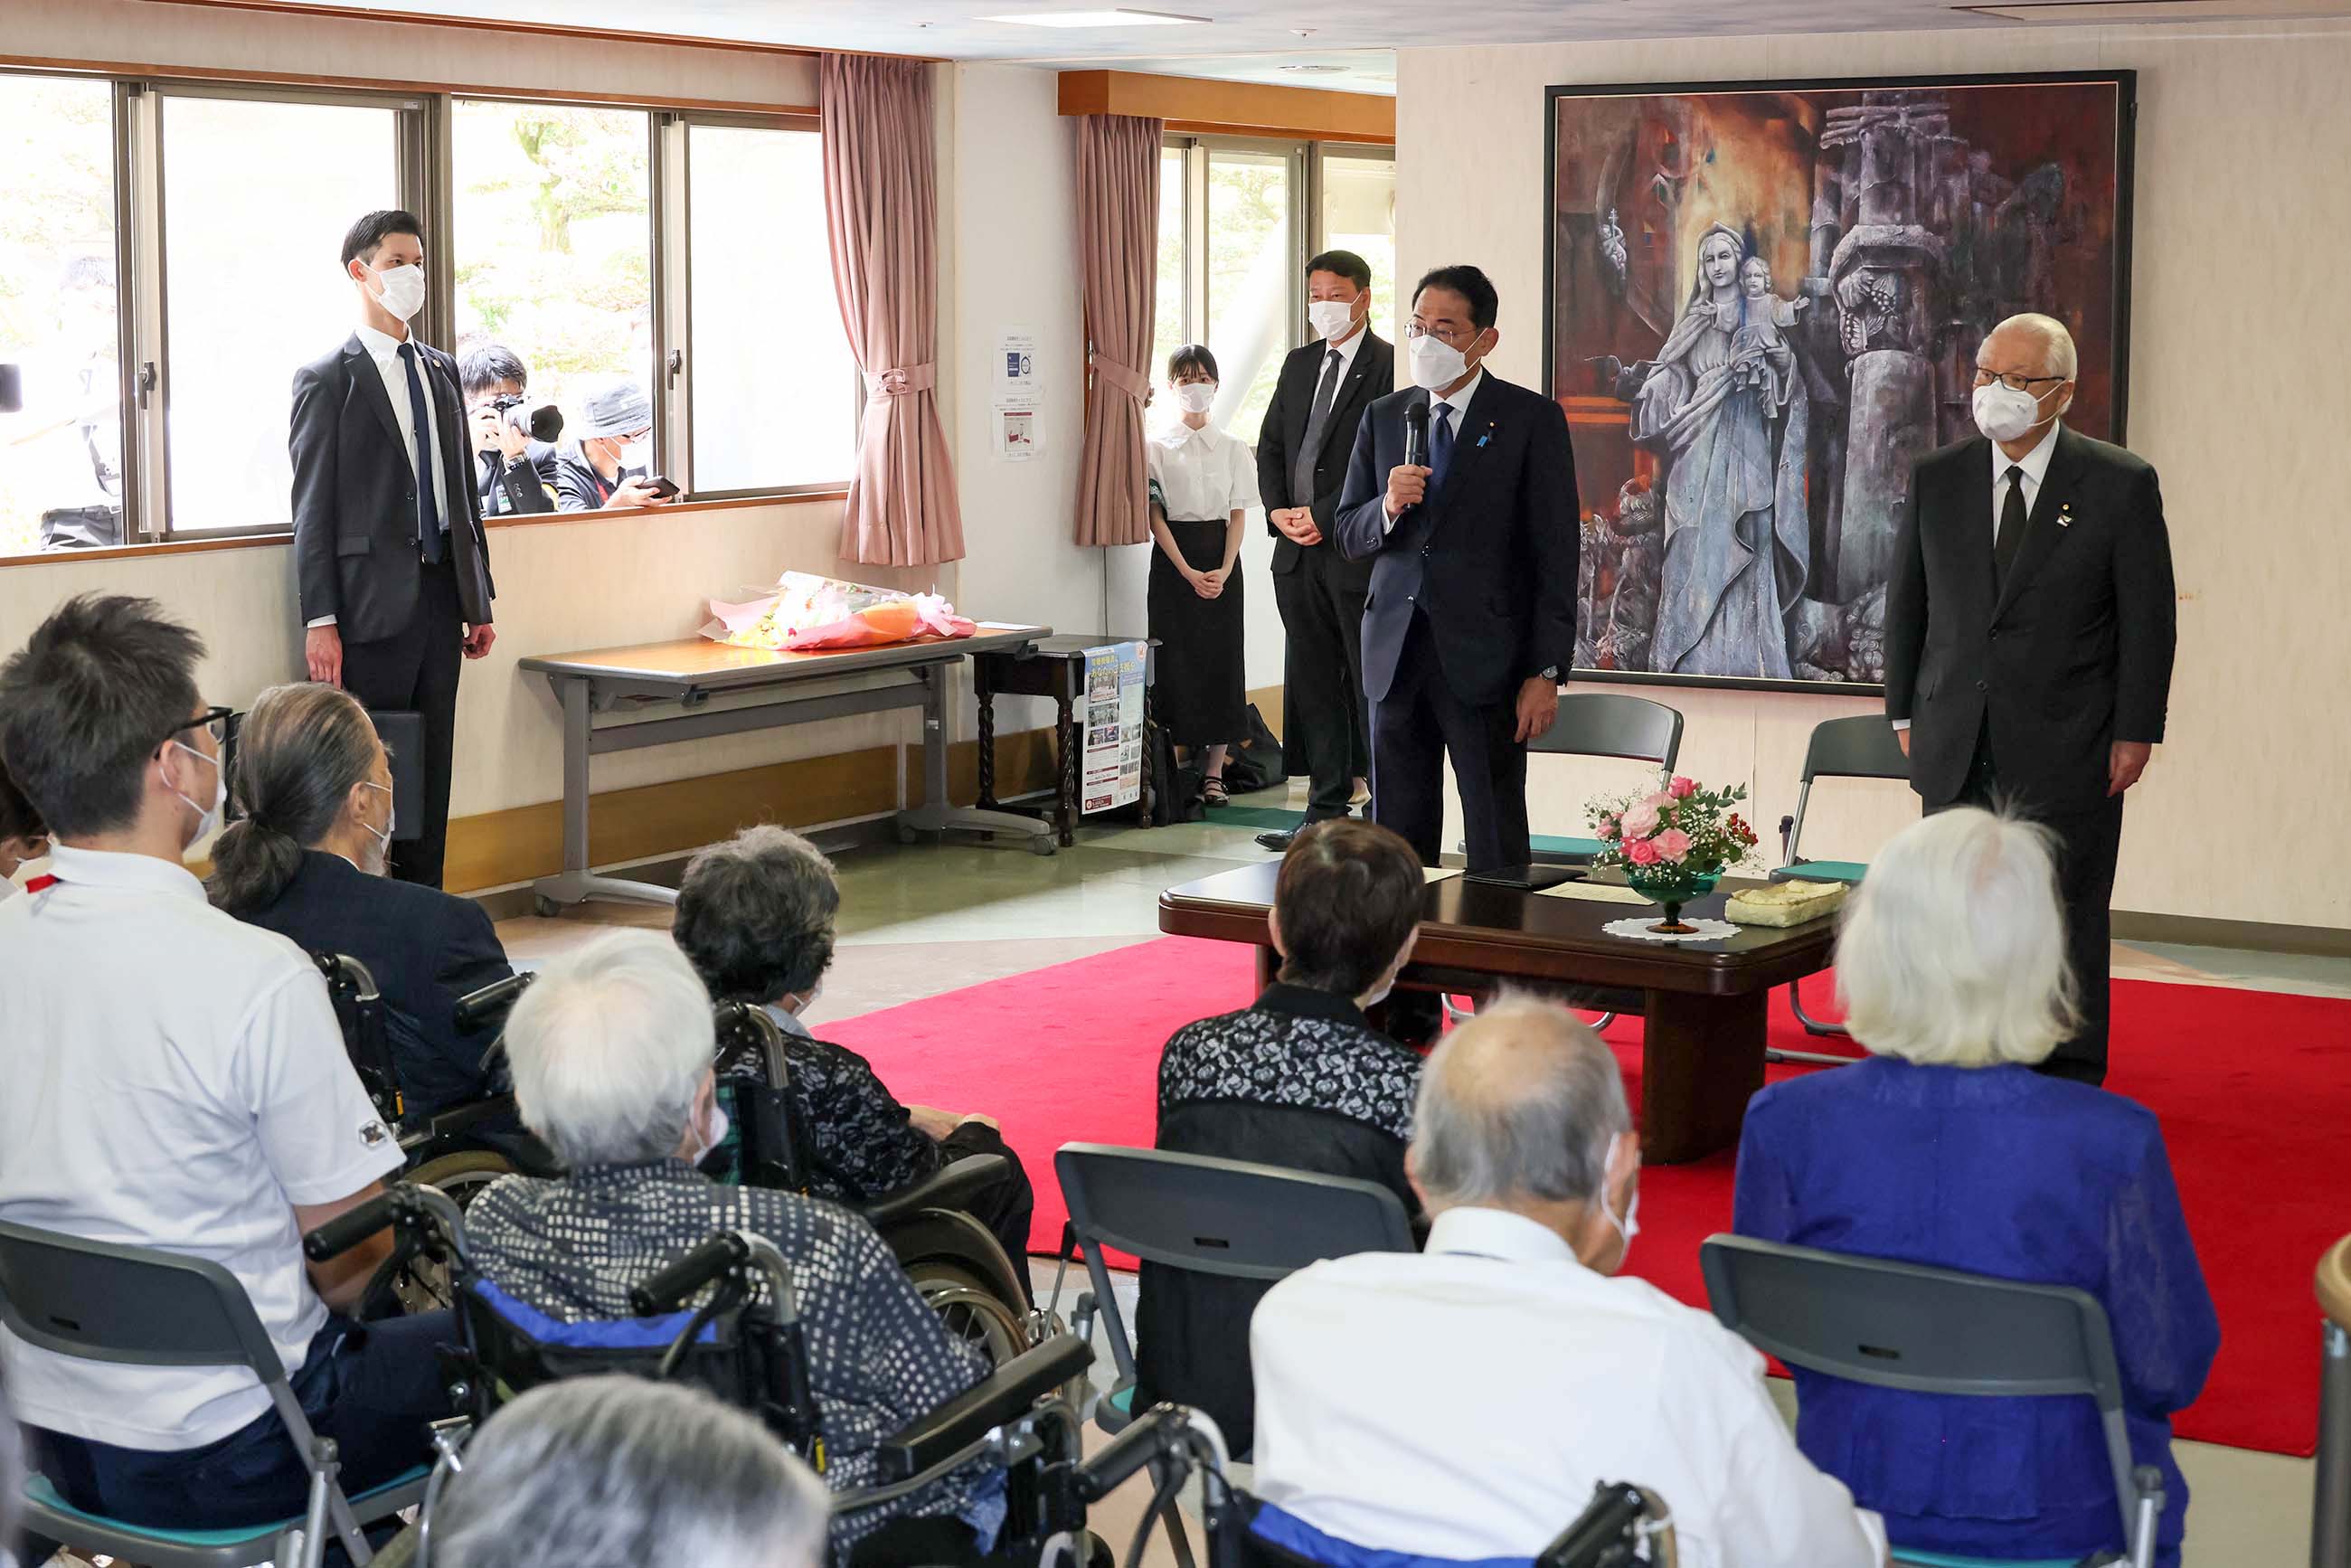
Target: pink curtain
x,y
880,205
1118,252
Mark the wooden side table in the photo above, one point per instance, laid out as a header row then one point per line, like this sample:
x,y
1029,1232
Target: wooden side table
x,y
1054,667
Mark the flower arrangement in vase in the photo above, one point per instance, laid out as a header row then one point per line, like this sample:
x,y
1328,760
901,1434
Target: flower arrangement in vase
x,y
1672,842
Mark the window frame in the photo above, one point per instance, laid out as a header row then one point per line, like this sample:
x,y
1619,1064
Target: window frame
x,y
426,182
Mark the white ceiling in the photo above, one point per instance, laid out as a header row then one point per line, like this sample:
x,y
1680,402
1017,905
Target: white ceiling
x,y
1249,40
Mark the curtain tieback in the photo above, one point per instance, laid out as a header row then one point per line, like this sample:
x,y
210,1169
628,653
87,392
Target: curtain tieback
x,y
1112,374
903,381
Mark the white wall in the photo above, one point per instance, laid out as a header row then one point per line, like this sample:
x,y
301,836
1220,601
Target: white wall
x,y
2238,321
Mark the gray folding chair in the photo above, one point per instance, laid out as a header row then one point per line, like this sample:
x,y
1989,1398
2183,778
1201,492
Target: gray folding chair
x,y
135,1306
1227,1218
1934,1330
2330,1518
1861,746
1600,724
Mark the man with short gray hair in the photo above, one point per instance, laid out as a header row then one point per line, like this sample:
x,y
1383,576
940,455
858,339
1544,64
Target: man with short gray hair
x,y
2030,622
1463,1403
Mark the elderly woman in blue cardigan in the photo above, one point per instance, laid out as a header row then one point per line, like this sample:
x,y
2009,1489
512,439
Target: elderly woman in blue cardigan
x,y
1944,1146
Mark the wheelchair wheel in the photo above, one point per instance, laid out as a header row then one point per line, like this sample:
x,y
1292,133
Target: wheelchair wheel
x,y
406,1286
971,1311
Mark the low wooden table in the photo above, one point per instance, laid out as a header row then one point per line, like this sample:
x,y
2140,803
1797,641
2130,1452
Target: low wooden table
x,y
1702,1055
1054,667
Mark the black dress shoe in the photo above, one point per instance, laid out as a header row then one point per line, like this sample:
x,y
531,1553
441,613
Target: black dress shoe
x,y
1277,839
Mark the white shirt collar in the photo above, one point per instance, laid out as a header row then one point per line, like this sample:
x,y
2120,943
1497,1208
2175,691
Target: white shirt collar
x,y
787,1021
1177,434
1496,1233
380,346
110,868
1460,399
1346,350
2034,463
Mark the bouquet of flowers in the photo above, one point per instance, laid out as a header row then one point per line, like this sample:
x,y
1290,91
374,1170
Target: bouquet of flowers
x,y
1673,842
807,612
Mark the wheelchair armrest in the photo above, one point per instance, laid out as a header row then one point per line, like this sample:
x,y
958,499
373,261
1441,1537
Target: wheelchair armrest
x,y
458,1118
1003,1396
949,1188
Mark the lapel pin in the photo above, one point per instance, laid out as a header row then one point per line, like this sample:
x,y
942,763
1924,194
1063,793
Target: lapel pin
x,y
2066,515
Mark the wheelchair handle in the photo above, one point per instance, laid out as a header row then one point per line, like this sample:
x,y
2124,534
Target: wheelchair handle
x,y
348,1228
478,1010
667,1288
1165,1432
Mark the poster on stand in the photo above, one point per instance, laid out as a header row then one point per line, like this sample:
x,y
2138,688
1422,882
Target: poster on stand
x,y
1110,765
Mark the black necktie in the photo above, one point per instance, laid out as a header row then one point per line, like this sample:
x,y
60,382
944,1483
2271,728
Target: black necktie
x,y
1318,424
2012,529
428,504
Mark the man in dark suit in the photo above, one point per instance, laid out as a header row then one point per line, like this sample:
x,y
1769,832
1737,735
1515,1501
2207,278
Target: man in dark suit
x,y
1470,624
393,565
1302,461
2029,632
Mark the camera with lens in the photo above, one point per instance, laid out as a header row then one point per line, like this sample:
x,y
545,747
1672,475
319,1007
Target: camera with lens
x,y
543,423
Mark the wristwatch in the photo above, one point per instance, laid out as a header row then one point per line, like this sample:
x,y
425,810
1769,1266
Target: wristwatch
x,y
1549,672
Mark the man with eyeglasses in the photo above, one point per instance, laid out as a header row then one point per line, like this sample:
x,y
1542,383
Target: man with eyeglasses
x,y
176,1080
2029,634
1461,492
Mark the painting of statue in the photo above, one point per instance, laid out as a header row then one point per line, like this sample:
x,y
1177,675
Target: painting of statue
x,y
1764,303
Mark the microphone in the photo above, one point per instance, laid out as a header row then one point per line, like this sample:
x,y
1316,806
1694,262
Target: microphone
x,y
1415,436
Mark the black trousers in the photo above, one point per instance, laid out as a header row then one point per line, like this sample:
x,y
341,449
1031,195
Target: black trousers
x,y
1414,728
1007,1209
1322,604
416,672
2089,840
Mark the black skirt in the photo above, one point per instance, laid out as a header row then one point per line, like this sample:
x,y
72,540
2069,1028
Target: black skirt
x,y
1196,692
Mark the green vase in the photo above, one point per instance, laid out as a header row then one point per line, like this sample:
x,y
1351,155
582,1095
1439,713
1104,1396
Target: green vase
x,y
1672,886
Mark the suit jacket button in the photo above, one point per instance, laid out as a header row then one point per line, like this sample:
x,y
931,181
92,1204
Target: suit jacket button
x,y
1983,686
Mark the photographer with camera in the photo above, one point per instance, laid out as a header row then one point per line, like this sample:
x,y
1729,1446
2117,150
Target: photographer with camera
x,y
609,466
514,441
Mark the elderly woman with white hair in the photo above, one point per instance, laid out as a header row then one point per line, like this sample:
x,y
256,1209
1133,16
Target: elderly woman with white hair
x,y
1945,1147
618,1472
611,1051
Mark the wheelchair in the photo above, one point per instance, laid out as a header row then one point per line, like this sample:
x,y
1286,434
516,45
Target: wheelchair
x,y
725,1317
954,1262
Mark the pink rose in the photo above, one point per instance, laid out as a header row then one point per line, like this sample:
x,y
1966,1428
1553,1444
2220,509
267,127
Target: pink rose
x,y
1681,787
1640,820
1641,852
1674,845
1607,830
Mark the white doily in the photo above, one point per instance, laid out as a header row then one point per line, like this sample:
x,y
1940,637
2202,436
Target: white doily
x,y
1637,927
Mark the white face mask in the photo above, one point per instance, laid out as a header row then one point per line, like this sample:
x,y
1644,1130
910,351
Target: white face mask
x,y
1435,362
391,825
1330,319
206,820
1195,397
2004,414
403,290
637,456
1629,1226
710,1133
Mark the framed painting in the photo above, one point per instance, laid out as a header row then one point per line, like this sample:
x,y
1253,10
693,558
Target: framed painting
x,y
1763,300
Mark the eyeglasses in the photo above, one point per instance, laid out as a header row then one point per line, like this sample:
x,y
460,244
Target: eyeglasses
x,y
1450,337
2014,381
213,721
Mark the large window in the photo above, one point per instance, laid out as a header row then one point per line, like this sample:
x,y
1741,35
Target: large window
x,y
169,256
764,415
1236,224
61,452
552,247
232,241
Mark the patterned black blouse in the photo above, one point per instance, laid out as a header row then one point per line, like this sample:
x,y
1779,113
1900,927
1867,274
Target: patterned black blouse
x,y
865,1148
878,1356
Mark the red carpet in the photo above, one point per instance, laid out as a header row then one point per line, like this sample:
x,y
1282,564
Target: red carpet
x,y
2254,1090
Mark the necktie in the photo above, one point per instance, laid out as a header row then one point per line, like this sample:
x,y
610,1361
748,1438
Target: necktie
x,y
1318,426
2012,529
420,419
1440,446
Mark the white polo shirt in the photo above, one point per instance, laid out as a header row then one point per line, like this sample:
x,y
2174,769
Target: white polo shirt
x,y
1463,1403
175,1079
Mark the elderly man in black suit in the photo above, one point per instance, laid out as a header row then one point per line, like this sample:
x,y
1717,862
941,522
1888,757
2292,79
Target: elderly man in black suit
x,y
1302,462
1470,624
393,567
2029,634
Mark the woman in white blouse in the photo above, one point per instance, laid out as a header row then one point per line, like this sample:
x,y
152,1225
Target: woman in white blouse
x,y
1203,483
